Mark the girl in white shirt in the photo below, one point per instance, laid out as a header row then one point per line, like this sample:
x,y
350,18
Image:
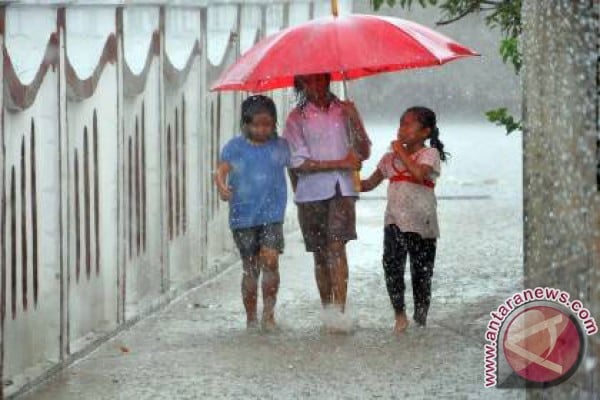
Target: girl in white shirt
x,y
411,226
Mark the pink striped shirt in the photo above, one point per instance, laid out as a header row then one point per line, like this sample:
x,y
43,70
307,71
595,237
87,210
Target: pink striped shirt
x,y
320,135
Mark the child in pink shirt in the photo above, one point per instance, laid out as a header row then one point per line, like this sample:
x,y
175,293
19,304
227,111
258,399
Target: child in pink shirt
x,y
411,226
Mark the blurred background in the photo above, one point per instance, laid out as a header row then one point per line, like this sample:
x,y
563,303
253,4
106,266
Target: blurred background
x,y
459,91
484,160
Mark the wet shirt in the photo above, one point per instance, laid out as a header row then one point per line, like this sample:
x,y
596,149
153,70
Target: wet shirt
x,y
411,206
257,179
320,135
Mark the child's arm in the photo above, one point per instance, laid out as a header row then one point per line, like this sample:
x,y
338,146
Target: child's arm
x,y
362,141
223,170
287,151
301,161
374,180
351,162
293,179
419,171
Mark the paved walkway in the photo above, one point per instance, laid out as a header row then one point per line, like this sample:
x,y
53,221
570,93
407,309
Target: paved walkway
x,y
197,348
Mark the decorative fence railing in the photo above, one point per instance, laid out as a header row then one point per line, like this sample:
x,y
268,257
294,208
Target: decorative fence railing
x,y
109,138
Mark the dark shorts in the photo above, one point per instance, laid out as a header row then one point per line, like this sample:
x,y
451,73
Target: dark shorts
x,y
249,241
326,221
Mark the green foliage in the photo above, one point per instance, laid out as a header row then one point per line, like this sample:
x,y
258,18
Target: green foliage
x,y
501,117
504,15
509,50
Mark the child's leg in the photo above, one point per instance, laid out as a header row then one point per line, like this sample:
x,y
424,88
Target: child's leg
x,y
338,269
323,277
247,243
312,216
340,229
422,258
271,244
394,262
269,263
250,287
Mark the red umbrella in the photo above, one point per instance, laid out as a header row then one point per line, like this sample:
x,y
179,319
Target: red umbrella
x,y
348,47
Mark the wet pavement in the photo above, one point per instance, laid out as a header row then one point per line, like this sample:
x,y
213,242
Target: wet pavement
x,y
198,348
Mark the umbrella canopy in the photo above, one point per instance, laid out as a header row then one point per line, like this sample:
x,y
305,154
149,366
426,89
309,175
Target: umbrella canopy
x,y
348,47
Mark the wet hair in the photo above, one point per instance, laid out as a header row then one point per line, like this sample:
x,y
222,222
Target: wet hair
x,y
301,98
254,105
427,119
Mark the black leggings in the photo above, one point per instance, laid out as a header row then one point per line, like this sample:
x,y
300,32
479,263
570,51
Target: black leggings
x,y
397,245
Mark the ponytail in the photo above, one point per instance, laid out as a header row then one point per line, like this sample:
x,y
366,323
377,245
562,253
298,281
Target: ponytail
x,y
435,142
427,118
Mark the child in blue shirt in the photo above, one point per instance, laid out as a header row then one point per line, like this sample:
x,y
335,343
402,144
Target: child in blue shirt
x,y
251,177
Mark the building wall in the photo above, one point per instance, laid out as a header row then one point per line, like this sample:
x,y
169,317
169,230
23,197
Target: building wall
x,y
560,147
110,138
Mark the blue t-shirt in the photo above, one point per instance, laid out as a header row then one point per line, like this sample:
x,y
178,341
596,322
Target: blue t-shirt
x,y
257,179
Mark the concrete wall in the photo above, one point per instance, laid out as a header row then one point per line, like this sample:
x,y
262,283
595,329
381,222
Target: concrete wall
x,y
560,143
109,141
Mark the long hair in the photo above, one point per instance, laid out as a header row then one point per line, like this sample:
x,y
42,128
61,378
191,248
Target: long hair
x,y
427,118
257,104
301,98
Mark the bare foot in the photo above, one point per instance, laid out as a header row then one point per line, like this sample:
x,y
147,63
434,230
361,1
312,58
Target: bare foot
x,y
252,325
268,323
401,323
336,322
336,330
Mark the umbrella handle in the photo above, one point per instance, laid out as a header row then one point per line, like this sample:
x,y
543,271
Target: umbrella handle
x,y
334,8
345,87
351,138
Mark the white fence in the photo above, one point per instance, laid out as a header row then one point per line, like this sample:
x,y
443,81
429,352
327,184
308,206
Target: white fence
x,y
109,139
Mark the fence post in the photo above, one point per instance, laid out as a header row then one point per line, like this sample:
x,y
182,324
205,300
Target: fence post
x,y
164,245
204,139
2,203
121,264
64,184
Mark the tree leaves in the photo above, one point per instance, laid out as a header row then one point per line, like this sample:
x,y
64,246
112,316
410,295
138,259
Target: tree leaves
x,y
501,117
509,50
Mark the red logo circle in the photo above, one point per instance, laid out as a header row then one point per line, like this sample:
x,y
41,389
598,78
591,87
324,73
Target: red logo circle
x,y
542,344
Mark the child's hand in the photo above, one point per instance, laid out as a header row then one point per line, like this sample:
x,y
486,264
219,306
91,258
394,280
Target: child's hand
x,y
398,147
221,181
364,186
352,161
225,192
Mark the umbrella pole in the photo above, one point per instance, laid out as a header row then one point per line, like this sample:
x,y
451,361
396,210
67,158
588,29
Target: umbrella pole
x,y
351,134
334,8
